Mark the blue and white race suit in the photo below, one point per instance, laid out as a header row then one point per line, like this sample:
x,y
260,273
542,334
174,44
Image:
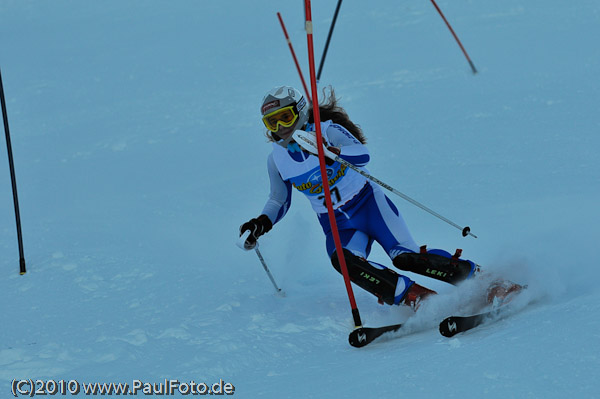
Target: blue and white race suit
x,y
363,213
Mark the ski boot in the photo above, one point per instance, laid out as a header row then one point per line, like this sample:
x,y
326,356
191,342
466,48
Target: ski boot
x,y
501,292
415,294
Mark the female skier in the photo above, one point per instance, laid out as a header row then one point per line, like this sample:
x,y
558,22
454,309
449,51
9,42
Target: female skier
x,y
363,212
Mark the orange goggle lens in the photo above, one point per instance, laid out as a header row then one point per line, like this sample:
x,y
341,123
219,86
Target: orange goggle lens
x,y
285,117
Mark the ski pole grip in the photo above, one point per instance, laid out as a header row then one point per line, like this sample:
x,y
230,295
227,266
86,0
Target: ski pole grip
x,y
242,240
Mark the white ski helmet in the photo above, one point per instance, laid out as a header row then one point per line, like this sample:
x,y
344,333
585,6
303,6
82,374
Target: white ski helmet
x,y
281,97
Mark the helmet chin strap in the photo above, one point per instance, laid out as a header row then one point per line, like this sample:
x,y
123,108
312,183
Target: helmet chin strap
x,y
284,142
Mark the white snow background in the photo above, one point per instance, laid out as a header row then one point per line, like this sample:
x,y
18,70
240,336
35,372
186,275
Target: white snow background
x,y
139,151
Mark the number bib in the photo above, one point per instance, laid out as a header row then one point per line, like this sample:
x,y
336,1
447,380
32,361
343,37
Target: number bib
x,y
303,171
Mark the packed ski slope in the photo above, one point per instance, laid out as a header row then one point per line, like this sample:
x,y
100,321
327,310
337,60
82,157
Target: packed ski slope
x,y
139,151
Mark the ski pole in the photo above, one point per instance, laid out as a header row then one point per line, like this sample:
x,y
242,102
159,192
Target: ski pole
x,y
455,37
307,143
264,265
335,15
13,178
287,38
241,243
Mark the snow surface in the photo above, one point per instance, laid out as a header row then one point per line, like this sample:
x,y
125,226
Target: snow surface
x,y
139,151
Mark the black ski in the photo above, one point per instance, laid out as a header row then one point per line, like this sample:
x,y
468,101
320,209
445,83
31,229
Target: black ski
x,y
363,336
449,327
453,325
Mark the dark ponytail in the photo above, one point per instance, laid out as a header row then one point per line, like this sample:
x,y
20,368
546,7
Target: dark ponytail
x,y
330,110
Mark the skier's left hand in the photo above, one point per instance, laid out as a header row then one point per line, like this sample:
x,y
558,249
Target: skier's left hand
x,y
312,136
257,227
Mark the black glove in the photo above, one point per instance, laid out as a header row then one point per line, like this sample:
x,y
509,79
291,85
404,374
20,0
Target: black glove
x,y
257,227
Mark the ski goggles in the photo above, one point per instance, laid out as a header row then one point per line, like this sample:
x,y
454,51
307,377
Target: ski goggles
x,y
285,117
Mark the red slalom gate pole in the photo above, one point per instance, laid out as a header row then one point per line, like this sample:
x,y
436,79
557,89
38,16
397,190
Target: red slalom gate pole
x,y
324,179
287,38
455,37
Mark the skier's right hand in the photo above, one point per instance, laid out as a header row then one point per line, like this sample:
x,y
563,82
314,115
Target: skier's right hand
x,y
257,227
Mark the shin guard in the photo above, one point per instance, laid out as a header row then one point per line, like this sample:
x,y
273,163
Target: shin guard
x,y
387,285
449,269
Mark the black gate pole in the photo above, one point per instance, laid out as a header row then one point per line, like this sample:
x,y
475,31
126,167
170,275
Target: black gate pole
x,y
13,178
335,15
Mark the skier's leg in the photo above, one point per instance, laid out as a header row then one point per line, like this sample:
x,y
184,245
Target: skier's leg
x,y
437,264
357,235
386,225
387,285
